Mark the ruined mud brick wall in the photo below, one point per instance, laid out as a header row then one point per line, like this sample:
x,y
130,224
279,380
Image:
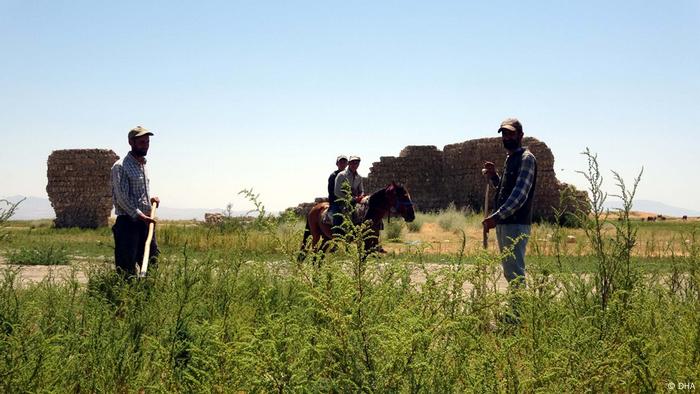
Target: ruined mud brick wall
x,y
437,178
79,186
304,208
420,169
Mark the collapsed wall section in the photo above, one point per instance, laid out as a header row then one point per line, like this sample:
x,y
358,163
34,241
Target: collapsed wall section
x,y
437,178
79,186
419,168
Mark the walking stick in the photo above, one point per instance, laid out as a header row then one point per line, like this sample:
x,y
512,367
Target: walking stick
x,y
486,211
147,247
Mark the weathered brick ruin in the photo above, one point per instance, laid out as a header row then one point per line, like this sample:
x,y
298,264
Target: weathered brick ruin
x,y
79,186
304,208
437,178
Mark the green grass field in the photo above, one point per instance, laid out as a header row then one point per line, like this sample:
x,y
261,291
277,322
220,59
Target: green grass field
x,y
230,309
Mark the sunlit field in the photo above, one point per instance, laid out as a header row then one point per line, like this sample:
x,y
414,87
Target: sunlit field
x,y
230,308
609,305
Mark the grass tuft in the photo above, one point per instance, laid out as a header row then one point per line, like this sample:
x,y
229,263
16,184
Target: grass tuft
x,y
394,229
452,218
40,255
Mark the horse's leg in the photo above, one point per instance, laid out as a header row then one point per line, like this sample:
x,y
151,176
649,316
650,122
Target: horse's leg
x,y
377,246
372,240
326,234
317,237
307,234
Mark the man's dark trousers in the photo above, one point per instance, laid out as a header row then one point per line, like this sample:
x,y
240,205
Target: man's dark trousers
x,y
336,211
129,242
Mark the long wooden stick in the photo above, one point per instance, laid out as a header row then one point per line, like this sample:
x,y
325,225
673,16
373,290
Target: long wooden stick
x,y
147,248
486,214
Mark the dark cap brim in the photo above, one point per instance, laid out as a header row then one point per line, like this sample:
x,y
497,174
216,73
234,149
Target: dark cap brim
x,y
507,127
141,134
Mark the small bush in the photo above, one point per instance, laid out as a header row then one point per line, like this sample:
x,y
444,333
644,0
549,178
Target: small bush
x,y
105,285
452,218
415,225
41,255
393,229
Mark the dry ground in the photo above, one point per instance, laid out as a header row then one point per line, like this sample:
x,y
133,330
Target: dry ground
x,y
434,239
30,274
37,273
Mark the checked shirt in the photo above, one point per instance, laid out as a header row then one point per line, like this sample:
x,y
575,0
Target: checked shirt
x,y
130,193
522,187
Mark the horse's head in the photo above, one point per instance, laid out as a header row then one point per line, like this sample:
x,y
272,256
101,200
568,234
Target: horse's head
x,y
400,201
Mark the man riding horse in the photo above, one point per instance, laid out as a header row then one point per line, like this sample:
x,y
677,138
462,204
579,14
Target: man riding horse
x,y
342,163
392,200
339,206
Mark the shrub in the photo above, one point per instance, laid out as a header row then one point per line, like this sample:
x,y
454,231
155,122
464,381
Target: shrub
x,y
393,229
416,224
40,255
615,269
452,218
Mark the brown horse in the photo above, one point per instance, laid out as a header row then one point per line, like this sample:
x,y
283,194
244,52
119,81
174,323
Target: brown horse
x,y
393,200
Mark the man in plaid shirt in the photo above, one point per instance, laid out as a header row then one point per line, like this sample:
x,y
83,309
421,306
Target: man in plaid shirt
x,y
514,196
132,204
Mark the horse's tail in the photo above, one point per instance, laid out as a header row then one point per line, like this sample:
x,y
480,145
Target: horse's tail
x,y
304,239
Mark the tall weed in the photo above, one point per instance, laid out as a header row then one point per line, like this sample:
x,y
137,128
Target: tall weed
x,y
615,270
6,212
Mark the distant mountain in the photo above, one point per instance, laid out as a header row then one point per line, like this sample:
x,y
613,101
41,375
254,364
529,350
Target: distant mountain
x,y
33,208
653,207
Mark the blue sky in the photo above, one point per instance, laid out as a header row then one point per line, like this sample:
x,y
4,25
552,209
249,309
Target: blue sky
x,y
264,95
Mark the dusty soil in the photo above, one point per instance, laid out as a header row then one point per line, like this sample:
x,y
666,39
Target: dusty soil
x,y
418,276
29,274
37,273
433,239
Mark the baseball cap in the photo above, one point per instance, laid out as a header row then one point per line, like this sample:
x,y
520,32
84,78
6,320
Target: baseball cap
x,y
354,158
339,158
512,124
138,131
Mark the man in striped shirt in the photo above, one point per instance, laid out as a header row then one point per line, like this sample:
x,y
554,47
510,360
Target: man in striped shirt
x,y
132,204
514,196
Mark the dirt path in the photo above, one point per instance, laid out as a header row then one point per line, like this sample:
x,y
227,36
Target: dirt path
x,y
37,273
419,276
30,274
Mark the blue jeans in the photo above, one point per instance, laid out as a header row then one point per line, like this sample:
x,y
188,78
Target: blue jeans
x,y
513,265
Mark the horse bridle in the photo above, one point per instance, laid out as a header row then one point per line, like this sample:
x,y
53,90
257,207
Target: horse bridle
x,y
393,210
398,204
